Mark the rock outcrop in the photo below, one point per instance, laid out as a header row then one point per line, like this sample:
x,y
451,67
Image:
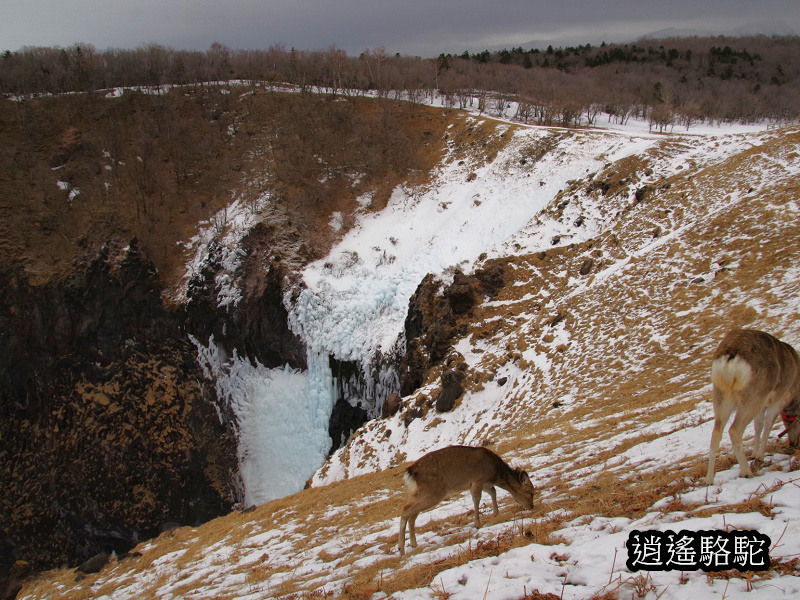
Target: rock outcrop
x,y
432,323
257,326
106,431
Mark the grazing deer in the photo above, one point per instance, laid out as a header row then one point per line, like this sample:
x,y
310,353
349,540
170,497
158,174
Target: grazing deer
x,y
791,422
450,470
757,376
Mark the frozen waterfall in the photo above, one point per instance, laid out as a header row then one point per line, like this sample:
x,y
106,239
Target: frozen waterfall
x,y
282,441
354,302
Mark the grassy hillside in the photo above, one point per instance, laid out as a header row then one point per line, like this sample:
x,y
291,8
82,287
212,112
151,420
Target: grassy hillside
x,y
80,170
605,344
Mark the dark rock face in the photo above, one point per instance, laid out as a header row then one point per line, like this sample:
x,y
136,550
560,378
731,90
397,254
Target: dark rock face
x,y
357,401
11,584
83,318
258,325
345,419
429,329
432,321
7,555
105,430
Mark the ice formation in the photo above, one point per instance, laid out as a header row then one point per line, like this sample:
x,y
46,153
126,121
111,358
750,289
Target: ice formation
x,y
282,440
354,303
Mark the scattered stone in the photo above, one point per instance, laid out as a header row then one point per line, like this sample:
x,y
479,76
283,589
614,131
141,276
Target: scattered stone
x,y
502,381
94,564
391,405
560,316
411,414
586,267
452,390
491,279
460,294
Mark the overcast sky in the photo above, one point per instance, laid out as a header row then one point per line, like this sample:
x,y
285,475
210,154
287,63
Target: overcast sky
x,y
415,27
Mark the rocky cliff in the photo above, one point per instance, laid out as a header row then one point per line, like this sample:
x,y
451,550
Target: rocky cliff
x,y
106,430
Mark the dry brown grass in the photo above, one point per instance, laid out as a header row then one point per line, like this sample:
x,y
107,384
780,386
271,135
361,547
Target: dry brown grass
x,y
195,167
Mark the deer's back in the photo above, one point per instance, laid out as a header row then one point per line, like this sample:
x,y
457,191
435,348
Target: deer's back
x,y
455,468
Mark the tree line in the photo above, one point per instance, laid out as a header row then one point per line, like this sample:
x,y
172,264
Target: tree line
x,y
672,82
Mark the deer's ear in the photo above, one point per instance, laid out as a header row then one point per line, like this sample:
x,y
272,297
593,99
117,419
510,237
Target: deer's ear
x,y
523,477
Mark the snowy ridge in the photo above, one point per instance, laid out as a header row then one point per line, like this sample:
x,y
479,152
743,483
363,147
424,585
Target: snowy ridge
x,y
356,299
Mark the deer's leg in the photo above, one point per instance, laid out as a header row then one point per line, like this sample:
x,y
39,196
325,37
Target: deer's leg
x,y
493,493
476,491
758,425
412,531
736,431
722,412
407,517
401,536
409,514
769,414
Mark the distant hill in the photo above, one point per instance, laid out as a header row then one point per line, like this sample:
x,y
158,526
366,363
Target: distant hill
x,y
595,39
751,29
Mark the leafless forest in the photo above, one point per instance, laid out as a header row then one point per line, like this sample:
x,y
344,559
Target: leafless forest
x,y
672,82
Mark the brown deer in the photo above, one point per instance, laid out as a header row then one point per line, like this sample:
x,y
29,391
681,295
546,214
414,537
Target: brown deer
x,y
791,422
450,470
756,376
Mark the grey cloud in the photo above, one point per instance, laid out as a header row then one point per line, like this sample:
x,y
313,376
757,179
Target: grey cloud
x,y
422,27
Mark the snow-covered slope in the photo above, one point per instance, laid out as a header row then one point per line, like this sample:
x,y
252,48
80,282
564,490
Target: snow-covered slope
x,y
625,258
683,250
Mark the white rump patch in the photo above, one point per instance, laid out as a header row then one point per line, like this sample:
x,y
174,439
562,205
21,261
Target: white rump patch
x,y
730,375
411,484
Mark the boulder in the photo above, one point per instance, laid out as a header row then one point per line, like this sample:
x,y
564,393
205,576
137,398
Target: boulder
x,y
94,564
452,389
391,405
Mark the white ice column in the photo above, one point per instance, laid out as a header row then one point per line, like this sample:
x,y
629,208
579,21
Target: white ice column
x,y
282,416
